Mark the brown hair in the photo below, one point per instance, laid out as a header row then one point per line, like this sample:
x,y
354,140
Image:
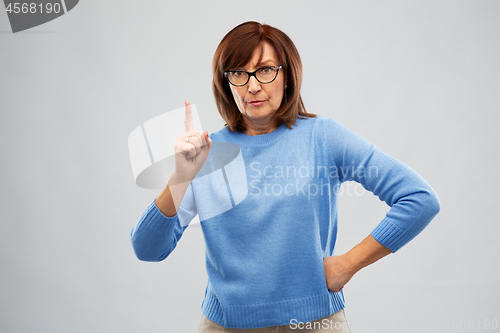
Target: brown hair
x,y
236,50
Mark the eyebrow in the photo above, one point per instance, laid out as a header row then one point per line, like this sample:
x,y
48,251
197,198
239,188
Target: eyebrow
x,y
266,62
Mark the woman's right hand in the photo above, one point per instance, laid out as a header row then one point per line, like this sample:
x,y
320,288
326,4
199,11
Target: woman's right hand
x,y
190,154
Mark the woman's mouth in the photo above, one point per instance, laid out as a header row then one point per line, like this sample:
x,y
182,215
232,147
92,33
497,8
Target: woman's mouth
x,y
256,102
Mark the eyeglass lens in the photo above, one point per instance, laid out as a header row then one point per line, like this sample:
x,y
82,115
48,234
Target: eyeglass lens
x,y
263,75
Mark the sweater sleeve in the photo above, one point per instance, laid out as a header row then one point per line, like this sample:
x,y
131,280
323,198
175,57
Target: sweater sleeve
x,y
155,236
412,200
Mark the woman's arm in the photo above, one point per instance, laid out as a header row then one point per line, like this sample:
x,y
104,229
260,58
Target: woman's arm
x,y
171,197
162,224
412,200
156,235
340,269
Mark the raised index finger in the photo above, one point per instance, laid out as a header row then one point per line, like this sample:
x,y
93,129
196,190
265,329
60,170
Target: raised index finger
x,y
188,120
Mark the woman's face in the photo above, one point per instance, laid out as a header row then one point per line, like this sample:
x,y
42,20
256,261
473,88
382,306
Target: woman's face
x,y
259,102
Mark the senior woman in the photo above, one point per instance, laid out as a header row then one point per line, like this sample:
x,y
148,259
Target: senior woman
x,y
269,258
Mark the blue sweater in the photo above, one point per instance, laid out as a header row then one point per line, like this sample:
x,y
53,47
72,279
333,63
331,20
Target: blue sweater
x,y
269,217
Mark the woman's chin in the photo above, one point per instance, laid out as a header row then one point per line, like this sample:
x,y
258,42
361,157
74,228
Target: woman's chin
x,y
259,115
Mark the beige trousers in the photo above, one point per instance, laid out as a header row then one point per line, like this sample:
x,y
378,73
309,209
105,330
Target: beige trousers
x,y
336,322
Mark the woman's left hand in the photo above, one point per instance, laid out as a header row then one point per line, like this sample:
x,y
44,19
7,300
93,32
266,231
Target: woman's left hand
x,y
337,272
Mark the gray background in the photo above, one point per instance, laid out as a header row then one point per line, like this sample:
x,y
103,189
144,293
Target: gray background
x,y
420,79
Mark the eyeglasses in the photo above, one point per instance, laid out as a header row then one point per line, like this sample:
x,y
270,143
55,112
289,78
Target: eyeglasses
x,y
264,75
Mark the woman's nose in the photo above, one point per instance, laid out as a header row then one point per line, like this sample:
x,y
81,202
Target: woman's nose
x,y
253,85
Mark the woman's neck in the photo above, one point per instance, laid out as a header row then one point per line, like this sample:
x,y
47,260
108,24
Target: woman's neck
x,y
253,128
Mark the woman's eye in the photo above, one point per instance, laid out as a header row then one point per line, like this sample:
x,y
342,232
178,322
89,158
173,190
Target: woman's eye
x,y
237,74
266,70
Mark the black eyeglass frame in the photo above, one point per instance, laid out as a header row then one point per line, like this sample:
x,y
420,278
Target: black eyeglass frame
x,y
250,74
